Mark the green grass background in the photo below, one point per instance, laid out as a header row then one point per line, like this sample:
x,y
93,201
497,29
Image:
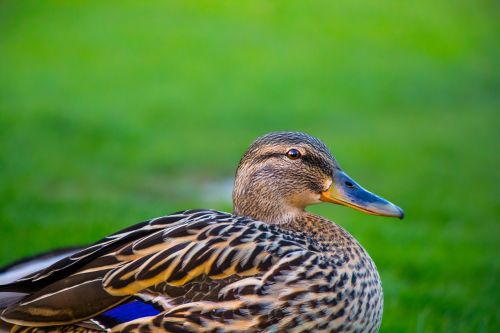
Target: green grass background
x,y
115,112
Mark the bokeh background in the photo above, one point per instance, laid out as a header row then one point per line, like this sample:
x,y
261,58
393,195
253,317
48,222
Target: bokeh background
x,y
115,112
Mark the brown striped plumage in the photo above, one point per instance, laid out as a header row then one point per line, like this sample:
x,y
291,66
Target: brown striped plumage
x,y
280,269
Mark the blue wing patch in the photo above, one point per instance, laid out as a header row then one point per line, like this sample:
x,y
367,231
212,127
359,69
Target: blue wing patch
x,y
125,312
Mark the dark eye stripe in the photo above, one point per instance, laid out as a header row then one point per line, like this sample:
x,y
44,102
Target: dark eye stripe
x,y
318,162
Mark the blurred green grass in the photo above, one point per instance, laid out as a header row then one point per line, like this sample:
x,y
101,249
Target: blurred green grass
x,y
112,113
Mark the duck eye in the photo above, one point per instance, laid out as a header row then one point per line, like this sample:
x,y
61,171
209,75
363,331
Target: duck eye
x,y
293,154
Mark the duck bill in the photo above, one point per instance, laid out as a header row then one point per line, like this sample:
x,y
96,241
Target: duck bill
x,y
345,191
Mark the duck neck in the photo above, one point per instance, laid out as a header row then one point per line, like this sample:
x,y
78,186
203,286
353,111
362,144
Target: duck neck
x,y
319,229
270,211
265,200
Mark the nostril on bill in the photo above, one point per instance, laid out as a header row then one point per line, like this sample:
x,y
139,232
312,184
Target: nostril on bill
x,y
349,184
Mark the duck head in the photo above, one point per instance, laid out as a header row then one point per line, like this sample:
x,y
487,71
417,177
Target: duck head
x,y
282,173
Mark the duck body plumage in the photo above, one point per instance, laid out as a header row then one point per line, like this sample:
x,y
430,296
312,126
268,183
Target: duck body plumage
x,y
208,271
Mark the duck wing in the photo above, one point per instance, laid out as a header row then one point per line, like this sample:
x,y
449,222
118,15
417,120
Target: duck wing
x,y
167,256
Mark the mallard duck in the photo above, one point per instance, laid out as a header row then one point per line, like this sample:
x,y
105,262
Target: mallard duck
x,y
270,266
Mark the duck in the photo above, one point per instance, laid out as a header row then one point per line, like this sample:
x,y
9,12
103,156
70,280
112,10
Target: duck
x,y
269,266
